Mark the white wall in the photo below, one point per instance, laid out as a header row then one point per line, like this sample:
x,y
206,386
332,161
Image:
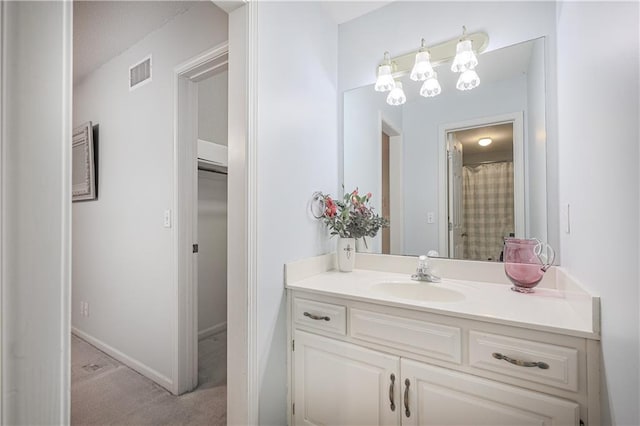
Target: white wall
x,y
421,121
213,97
364,40
362,128
212,251
122,254
598,153
35,231
297,151
535,149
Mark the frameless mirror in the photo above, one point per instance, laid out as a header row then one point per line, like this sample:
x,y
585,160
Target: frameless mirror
x,y
440,188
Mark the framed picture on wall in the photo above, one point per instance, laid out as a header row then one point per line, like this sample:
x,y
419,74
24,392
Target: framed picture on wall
x,y
83,175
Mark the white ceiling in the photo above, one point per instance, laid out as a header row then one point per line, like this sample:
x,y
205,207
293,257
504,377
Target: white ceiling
x,y
343,11
501,134
94,40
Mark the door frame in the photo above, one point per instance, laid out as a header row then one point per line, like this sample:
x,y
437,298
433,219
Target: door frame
x,y
519,197
185,206
396,201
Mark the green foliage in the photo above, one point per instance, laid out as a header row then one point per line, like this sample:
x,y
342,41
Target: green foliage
x,y
352,217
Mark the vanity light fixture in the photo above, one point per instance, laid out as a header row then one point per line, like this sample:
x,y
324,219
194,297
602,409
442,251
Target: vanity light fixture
x,y
485,141
397,96
385,81
431,87
468,80
419,65
465,58
422,69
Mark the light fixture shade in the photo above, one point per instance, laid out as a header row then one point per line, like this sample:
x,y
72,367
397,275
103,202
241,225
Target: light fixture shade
x,y
422,69
431,87
468,80
384,82
465,58
396,96
485,142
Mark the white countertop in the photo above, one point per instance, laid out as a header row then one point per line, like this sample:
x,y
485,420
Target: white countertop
x,y
547,309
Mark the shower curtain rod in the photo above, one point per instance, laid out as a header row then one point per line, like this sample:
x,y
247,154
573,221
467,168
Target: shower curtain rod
x,y
487,162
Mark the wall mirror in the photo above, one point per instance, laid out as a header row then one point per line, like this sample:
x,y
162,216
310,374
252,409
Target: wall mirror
x,y
439,187
83,176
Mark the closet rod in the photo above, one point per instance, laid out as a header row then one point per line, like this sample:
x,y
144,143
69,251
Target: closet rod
x,y
220,172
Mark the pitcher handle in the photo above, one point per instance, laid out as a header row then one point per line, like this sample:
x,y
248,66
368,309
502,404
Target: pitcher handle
x,y
545,254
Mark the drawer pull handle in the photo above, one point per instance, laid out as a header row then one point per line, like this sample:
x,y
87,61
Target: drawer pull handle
x,y
316,317
406,398
391,397
520,363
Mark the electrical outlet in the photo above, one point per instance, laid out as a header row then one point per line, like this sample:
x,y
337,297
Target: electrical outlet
x,y
81,309
167,218
86,309
431,217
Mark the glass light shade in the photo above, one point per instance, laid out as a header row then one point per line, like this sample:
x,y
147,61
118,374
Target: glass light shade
x,y
385,82
431,87
468,80
396,96
485,142
465,58
422,69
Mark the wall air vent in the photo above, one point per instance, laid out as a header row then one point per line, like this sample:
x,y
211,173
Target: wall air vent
x,y
140,73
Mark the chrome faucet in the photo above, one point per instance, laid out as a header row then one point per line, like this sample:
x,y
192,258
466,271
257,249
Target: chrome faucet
x,y
423,273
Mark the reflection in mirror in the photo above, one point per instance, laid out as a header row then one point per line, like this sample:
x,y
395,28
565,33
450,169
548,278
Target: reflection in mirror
x,y
439,187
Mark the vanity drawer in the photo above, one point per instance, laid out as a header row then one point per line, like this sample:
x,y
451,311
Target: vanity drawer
x,y
420,337
320,316
534,361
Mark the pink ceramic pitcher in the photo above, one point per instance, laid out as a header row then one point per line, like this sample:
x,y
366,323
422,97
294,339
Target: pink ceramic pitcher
x,y
526,261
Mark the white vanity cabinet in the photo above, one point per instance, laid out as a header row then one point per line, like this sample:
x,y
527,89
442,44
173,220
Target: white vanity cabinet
x,y
360,363
338,383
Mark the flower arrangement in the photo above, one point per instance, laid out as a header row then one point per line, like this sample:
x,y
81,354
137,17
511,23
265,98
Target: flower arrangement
x,y
352,216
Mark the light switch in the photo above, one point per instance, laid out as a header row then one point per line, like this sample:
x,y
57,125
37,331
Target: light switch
x,y
431,217
566,218
167,218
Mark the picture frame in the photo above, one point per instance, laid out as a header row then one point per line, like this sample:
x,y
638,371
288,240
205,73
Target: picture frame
x,y
83,175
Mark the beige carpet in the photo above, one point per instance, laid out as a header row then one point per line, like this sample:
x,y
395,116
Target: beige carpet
x,y
106,392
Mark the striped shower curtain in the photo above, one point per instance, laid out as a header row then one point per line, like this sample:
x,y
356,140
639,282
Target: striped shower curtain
x,y
488,209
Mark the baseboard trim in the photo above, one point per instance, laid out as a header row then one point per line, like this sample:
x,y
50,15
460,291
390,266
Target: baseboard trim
x,y
207,332
133,363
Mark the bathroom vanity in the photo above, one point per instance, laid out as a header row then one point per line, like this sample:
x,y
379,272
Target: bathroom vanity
x,y
372,347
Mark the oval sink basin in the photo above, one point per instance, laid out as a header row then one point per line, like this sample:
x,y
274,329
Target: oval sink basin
x,y
423,291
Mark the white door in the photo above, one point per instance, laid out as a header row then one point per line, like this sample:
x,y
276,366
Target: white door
x,y
437,396
456,241
337,383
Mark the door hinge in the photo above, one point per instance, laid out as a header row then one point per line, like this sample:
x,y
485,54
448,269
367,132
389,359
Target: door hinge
x,y
293,346
293,409
195,248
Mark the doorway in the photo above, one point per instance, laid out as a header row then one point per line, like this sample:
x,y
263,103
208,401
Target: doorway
x,y
483,191
392,196
211,224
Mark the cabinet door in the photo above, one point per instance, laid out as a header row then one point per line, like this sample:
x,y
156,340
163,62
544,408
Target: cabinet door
x,y
438,396
337,383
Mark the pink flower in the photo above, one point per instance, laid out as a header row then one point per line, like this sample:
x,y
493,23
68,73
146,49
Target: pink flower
x,y
331,208
369,195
